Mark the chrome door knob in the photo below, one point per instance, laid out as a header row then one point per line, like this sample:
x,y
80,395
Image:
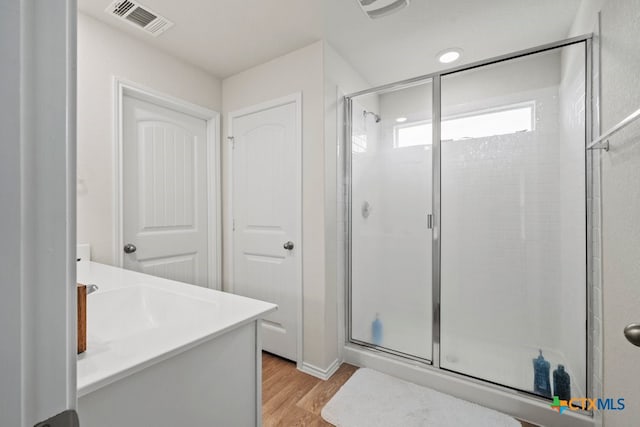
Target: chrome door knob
x,y
130,248
288,245
632,333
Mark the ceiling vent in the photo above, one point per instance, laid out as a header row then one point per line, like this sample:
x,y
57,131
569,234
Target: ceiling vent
x,y
140,16
379,8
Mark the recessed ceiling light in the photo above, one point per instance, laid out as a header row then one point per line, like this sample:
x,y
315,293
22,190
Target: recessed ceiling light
x,y
449,55
401,119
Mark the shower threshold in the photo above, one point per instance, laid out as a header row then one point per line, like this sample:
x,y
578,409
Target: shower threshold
x,y
522,405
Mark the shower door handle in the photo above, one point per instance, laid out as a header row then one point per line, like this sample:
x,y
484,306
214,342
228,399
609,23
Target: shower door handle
x,y
430,221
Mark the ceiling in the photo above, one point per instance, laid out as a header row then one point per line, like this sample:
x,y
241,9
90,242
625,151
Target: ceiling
x,y
225,37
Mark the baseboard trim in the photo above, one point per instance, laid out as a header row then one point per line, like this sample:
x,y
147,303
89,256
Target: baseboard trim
x,y
323,374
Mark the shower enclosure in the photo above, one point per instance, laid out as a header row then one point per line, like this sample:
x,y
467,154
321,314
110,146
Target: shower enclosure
x,y
467,219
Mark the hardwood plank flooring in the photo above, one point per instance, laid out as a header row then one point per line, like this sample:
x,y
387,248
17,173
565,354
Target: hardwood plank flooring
x,y
291,398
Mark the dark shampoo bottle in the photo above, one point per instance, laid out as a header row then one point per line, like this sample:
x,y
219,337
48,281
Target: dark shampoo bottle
x,y
541,382
561,383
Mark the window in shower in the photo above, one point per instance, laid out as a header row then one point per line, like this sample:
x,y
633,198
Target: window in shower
x,y
476,124
413,134
503,120
391,196
513,229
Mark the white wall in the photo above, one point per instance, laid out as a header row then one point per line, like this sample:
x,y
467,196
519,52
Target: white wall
x,y
619,96
339,79
617,174
586,17
103,53
298,71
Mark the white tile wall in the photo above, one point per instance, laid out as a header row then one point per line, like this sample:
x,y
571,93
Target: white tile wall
x,y
513,226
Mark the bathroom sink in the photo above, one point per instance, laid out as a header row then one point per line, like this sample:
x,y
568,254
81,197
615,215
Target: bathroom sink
x,y
135,321
165,353
122,313
133,326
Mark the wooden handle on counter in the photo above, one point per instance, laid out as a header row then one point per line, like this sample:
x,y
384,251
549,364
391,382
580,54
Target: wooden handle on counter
x,y
82,318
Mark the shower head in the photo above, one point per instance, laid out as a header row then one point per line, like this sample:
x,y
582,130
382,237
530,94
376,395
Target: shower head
x,y
377,117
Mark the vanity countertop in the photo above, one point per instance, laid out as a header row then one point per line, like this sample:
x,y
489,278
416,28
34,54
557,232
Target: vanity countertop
x,y
135,320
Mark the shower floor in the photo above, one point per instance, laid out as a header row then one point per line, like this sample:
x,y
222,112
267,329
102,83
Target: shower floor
x,y
500,363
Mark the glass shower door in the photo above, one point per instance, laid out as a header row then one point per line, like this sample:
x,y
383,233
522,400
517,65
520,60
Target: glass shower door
x,y
513,229
391,196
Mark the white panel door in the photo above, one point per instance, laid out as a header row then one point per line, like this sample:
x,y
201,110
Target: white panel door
x,y
165,192
266,206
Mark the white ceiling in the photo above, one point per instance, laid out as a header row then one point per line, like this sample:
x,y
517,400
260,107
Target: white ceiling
x,y
405,45
228,36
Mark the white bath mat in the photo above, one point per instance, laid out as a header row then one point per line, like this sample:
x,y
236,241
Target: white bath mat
x,y
372,399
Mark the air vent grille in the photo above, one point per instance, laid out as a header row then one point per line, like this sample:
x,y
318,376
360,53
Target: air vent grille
x,y
378,8
141,16
122,8
158,25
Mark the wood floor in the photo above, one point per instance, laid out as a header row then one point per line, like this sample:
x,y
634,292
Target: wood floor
x,y
291,398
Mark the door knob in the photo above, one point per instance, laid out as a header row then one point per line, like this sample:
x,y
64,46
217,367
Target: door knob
x,y
632,333
130,248
288,245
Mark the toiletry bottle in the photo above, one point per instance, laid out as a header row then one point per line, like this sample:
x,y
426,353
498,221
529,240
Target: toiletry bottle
x,y
541,383
561,383
376,330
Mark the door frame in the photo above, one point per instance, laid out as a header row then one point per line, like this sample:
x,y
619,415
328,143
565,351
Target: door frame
x,y
38,194
294,98
122,88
